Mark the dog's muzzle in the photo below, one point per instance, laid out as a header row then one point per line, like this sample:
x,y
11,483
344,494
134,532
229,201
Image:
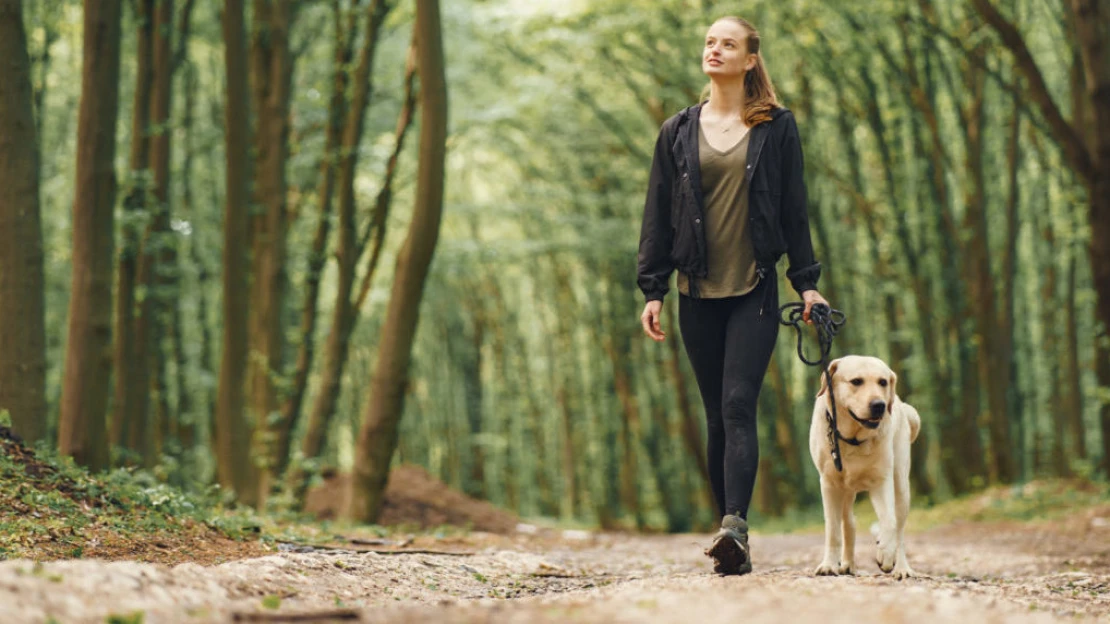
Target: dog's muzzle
x,y
878,409
873,421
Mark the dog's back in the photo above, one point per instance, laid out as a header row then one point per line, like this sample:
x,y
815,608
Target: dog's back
x,y
913,419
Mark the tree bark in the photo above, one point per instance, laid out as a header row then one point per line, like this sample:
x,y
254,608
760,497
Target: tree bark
x,y
271,73
232,427
1072,405
348,253
335,350
22,298
156,258
993,362
127,392
1090,159
81,425
378,436
318,258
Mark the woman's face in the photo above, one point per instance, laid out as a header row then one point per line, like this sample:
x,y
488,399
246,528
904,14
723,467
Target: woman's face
x,y
726,50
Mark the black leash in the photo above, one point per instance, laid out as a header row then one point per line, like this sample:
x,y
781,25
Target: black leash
x,y
828,322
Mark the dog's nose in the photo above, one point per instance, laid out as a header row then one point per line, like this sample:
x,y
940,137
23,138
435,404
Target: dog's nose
x,y
878,406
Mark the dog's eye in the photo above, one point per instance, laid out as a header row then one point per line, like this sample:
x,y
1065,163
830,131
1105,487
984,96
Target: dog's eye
x,y
857,381
882,382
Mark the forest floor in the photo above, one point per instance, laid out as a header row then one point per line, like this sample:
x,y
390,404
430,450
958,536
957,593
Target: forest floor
x,y
1019,554
970,572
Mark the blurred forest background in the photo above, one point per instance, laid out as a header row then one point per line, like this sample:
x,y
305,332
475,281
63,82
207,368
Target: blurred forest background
x,y
214,216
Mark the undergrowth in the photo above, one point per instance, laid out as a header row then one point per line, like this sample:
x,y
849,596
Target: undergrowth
x,y
51,508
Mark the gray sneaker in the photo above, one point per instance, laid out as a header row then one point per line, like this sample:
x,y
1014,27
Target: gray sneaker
x,y
730,551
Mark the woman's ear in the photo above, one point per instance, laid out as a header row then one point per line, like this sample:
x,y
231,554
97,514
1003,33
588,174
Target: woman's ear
x,y
825,378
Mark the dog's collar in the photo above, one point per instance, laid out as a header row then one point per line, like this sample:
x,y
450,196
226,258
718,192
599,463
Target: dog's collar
x,y
839,436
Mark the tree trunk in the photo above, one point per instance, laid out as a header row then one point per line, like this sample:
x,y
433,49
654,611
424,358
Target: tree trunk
x,y
344,318
629,428
1100,265
271,79
1006,330
318,258
81,425
1057,459
127,391
1092,25
278,432
157,257
22,299
232,427
378,437
1090,159
1072,405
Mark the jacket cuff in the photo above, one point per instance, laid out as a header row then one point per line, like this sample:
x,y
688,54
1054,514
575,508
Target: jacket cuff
x,y
655,295
805,278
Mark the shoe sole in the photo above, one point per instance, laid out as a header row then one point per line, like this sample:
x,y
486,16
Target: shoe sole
x,y
729,557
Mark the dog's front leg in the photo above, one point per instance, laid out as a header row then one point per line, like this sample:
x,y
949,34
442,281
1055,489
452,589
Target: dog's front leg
x,y
882,497
832,499
902,567
848,551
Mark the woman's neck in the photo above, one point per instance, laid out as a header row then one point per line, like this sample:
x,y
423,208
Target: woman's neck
x,y
726,99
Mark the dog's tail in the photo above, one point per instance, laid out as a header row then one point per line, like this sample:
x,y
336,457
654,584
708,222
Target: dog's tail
x,y
913,418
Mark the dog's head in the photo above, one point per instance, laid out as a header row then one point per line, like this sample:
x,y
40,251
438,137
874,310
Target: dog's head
x,y
865,385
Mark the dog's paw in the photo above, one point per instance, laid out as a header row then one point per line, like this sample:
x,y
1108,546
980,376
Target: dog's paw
x,y
847,569
827,568
903,572
885,556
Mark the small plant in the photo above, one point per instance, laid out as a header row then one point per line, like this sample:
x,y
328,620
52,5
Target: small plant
x,y
271,602
132,618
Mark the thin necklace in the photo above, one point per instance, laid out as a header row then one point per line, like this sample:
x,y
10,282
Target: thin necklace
x,y
731,125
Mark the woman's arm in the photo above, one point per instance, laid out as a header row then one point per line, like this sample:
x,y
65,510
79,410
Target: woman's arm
x,y
804,270
654,264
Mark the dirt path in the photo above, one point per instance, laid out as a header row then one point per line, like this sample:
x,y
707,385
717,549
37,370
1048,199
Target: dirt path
x,y
973,573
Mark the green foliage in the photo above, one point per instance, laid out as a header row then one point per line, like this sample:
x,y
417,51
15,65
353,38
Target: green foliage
x,y
132,618
531,385
50,507
271,602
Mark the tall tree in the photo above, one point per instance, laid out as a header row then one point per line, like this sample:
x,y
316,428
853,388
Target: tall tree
x,y
157,251
377,438
127,392
271,75
349,247
22,314
81,426
233,433
1090,159
352,243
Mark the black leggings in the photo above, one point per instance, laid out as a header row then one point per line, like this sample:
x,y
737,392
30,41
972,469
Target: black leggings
x,y
730,344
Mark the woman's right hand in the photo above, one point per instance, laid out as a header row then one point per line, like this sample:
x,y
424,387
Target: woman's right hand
x,y
650,320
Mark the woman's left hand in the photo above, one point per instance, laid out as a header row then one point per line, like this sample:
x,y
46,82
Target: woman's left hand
x,y
811,297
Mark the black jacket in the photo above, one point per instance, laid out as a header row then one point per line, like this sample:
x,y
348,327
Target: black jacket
x,y
673,236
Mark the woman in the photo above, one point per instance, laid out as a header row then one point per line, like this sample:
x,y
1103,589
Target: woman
x,y
725,200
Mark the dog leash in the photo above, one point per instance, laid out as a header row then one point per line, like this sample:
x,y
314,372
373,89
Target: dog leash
x,y
828,322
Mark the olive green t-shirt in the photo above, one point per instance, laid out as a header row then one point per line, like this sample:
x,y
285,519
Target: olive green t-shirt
x,y
730,254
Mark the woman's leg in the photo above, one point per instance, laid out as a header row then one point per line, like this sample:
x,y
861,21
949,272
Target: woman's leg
x,y
748,345
703,324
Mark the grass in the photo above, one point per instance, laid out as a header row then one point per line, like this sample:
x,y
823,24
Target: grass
x,y
52,509
1037,500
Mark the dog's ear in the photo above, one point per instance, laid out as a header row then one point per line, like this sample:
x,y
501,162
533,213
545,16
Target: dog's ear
x,y
833,365
893,392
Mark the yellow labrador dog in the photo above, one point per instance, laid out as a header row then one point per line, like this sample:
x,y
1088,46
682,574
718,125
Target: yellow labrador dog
x,y
875,428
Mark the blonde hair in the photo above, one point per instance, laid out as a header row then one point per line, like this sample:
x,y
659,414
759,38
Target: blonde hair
x,y
759,92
